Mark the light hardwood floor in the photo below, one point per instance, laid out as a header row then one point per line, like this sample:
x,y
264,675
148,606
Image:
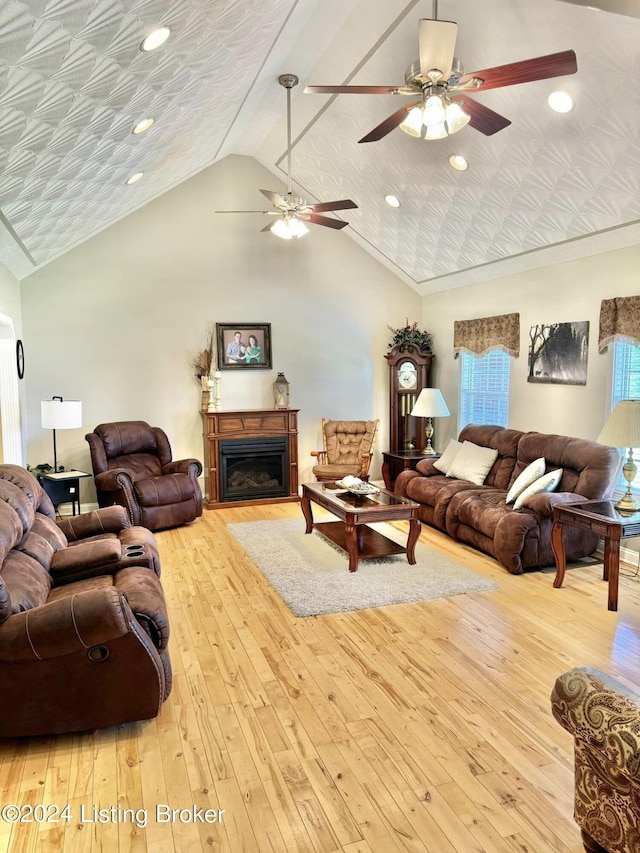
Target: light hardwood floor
x,y
416,727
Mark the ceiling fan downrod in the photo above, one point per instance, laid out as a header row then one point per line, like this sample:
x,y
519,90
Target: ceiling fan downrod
x,y
288,81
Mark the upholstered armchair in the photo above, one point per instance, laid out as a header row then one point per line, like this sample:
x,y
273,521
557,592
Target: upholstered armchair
x,y
347,449
604,718
84,629
132,466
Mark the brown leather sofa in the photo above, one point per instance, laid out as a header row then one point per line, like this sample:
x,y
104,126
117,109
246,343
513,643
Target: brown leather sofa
x,y
479,516
132,466
604,718
83,622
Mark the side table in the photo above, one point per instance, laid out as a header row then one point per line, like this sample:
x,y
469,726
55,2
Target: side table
x,y
396,461
64,487
602,518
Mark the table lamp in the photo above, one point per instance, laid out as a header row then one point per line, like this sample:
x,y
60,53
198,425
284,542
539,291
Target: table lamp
x,y
623,430
57,413
430,404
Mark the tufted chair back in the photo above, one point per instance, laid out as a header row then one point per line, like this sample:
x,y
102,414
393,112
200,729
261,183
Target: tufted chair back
x,y
348,449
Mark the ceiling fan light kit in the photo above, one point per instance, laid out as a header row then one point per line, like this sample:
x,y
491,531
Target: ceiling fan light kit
x,y
288,227
438,79
291,211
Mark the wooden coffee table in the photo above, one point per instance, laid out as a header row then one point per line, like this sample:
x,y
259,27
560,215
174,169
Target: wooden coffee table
x,y
355,513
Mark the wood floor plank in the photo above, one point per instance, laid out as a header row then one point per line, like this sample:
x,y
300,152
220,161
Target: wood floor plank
x,y
422,727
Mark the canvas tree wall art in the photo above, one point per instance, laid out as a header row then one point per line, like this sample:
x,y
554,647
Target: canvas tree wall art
x,y
558,353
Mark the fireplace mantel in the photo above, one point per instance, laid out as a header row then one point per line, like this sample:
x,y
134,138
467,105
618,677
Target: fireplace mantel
x,y
247,424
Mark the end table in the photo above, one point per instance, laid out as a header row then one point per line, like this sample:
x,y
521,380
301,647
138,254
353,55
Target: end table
x,y
396,461
64,487
602,518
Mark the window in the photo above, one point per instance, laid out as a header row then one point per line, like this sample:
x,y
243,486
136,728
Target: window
x,y
484,388
626,386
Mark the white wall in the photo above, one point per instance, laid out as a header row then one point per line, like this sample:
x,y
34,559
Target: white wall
x,y
117,321
566,292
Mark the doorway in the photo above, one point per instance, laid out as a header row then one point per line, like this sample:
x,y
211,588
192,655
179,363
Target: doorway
x,y
10,429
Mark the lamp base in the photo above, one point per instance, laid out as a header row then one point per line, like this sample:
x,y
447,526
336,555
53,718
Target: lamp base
x,y
428,433
627,503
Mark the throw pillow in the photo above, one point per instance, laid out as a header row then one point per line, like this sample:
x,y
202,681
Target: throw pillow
x,y
547,483
530,474
444,463
472,463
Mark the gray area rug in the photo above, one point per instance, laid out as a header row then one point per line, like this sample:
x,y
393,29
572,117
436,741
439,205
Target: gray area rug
x,y
312,576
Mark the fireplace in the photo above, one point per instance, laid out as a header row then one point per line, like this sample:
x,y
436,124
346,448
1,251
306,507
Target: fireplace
x,y
253,468
250,456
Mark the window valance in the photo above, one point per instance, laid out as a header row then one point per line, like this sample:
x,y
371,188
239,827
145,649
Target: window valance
x,y
619,321
486,333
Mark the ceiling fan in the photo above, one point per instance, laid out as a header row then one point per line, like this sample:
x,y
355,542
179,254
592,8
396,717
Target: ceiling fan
x,y
438,78
292,212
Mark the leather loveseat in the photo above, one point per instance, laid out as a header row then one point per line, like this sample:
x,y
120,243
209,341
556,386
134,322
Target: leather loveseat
x,y
83,621
479,515
132,466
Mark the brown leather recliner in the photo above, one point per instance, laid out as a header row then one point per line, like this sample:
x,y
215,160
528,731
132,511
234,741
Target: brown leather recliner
x,y
83,624
132,467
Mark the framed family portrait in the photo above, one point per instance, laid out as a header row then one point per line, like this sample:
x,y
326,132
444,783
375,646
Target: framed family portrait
x,y
243,345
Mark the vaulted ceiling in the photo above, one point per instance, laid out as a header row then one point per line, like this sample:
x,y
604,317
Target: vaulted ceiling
x,y
550,187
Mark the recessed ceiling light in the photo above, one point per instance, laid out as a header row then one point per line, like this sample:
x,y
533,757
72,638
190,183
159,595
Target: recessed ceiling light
x,y
134,178
155,38
143,125
458,162
560,102
392,200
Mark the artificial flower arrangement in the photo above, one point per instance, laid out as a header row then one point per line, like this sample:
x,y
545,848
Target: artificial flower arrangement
x,y
411,334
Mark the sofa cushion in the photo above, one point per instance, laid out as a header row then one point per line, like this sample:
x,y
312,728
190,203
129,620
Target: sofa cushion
x,y
472,463
50,531
451,451
587,466
164,490
547,483
530,474
27,583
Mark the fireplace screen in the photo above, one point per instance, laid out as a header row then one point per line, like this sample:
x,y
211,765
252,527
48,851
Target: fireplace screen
x,y
253,468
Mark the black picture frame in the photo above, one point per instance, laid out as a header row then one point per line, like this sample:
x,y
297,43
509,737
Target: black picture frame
x,y
253,346
20,358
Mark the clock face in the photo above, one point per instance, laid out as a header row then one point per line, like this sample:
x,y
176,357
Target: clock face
x,y
407,375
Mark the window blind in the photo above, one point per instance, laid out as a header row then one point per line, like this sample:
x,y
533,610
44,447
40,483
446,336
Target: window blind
x,y
626,386
484,389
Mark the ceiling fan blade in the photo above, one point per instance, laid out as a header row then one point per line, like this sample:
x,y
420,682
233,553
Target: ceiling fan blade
x,y
359,90
526,71
482,118
323,220
389,123
270,212
274,197
343,204
437,44
618,7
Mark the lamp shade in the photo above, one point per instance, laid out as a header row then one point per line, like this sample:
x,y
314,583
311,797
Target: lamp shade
x,y
430,404
61,414
623,427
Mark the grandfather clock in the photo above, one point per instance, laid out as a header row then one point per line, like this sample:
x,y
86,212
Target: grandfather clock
x,y
409,373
